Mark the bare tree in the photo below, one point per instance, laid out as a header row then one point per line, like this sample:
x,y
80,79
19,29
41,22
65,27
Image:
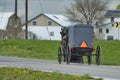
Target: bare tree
x,y
87,11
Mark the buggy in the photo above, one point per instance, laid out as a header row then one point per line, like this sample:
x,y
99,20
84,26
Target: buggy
x,y
77,41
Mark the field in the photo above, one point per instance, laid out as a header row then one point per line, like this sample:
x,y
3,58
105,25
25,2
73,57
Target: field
x,y
27,74
46,49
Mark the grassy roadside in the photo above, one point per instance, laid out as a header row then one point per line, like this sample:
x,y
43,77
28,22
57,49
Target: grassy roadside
x,y
45,49
27,74
40,49
110,52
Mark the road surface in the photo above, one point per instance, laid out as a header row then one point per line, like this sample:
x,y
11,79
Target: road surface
x,y
106,72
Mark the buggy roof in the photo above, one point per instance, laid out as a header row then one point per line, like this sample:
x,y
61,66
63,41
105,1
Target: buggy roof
x,y
81,25
80,33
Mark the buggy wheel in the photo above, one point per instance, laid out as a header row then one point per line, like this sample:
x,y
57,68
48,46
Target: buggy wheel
x,y
59,55
67,55
82,61
98,55
89,60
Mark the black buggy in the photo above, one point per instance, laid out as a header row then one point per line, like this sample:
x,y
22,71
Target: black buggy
x,y
77,41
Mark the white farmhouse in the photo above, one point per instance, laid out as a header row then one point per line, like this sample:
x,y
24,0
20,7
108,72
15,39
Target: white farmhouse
x,y
109,31
47,26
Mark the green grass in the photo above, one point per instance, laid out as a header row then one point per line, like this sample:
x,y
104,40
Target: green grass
x,y
45,49
27,74
110,52
41,49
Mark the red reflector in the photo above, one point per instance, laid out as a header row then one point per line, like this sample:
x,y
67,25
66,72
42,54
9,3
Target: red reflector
x,y
71,49
83,44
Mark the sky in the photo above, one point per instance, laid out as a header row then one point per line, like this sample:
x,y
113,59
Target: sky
x,y
42,6
35,6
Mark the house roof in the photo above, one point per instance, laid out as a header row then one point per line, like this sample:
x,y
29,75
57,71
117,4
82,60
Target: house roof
x,y
113,13
59,19
4,17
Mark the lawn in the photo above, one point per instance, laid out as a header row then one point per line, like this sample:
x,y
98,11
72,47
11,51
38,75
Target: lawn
x,y
47,49
28,74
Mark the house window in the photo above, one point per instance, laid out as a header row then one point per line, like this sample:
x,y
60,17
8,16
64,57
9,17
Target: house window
x,y
34,23
51,33
100,30
49,23
107,30
112,21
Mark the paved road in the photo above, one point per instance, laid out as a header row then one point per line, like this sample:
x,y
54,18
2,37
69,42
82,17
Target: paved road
x,y
111,72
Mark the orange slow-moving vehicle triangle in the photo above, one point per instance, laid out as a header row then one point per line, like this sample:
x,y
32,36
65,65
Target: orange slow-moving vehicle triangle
x,y
83,44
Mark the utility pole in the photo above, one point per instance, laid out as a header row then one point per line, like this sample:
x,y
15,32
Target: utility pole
x,y
26,19
16,9
15,30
